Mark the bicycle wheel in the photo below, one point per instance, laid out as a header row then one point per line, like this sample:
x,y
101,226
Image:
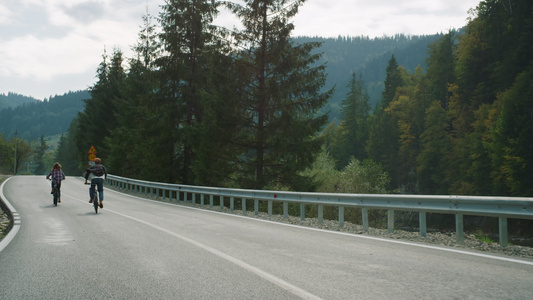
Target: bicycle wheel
x,y
95,203
55,195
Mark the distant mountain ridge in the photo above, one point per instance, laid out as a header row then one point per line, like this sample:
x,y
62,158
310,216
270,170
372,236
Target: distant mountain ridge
x,y
33,119
12,100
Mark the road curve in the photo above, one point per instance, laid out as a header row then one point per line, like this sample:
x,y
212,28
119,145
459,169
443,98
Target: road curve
x,y
142,249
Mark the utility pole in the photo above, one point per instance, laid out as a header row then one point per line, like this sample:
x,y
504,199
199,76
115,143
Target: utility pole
x,y
15,164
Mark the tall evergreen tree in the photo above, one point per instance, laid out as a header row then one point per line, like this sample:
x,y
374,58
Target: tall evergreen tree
x,y
354,112
511,145
186,26
134,142
435,146
66,153
280,97
440,67
38,155
384,135
393,80
98,118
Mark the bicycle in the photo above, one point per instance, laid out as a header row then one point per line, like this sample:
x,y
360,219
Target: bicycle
x,y
55,193
95,198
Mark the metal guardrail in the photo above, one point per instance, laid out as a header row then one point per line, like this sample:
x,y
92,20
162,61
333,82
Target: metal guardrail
x,y
500,207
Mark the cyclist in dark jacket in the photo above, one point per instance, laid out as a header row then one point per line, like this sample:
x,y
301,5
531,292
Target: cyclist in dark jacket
x,y
56,176
98,174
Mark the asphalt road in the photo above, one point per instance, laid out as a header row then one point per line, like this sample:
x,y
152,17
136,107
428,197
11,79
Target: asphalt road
x,y
141,249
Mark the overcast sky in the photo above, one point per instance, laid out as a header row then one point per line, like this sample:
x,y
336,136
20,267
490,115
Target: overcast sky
x,y
50,47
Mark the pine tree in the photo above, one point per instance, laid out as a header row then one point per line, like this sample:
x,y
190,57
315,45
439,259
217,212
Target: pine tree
x,y
393,80
354,112
98,118
384,135
440,67
66,152
280,97
186,38
40,168
134,151
511,146
435,145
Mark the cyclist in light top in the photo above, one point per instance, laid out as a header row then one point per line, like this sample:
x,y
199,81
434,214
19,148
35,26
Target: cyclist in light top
x,y
57,176
98,173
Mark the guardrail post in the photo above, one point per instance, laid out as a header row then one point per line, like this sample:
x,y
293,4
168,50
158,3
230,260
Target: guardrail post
x,y
341,216
364,211
221,202
422,223
170,195
459,228
320,214
211,201
243,201
202,199
269,208
285,210
256,207
164,194
231,203
193,198
185,196
390,221
302,211
502,221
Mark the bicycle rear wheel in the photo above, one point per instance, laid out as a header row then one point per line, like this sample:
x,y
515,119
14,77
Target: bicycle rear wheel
x,y
54,192
95,203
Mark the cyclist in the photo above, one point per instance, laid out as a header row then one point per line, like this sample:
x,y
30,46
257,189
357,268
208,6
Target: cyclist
x,y
57,176
98,173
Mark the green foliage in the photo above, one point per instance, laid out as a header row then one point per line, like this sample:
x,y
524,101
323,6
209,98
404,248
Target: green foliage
x,y
324,173
358,177
6,156
480,235
435,145
510,144
366,177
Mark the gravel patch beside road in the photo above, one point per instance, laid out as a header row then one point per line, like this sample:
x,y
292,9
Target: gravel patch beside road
x,y
4,223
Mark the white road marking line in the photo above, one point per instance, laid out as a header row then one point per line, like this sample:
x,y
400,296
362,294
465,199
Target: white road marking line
x,y
465,252
265,275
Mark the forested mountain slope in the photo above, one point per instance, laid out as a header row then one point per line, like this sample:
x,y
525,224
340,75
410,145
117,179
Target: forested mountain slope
x,y
13,100
367,57
35,118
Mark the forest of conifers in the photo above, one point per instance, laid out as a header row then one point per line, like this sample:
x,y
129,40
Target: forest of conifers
x,y
199,105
